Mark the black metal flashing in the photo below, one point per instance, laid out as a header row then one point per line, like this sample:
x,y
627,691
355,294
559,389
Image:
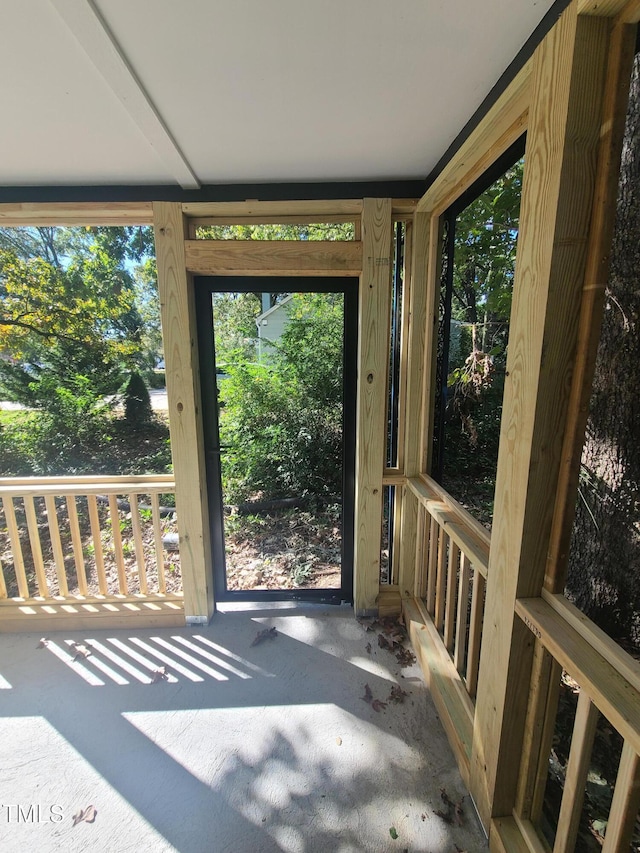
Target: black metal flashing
x,y
214,192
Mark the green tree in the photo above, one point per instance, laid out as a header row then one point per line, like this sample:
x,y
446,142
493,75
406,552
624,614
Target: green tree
x,y
282,419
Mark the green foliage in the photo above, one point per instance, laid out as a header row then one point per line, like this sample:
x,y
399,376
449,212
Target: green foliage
x,y
137,402
282,419
313,231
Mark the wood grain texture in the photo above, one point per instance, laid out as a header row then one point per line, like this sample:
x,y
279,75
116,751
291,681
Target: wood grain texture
x,y
92,613
616,95
177,303
562,146
584,732
446,686
612,694
16,547
505,122
273,257
626,803
77,213
373,354
36,546
602,8
56,544
116,541
461,614
96,537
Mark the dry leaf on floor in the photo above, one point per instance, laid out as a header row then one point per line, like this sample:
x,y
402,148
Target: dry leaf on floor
x,y
159,674
80,650
368,695
266,634
378,705
368,648
87,815
384,643
397,694
405,657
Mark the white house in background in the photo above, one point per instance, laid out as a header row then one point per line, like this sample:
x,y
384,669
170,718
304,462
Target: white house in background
x,y
271,324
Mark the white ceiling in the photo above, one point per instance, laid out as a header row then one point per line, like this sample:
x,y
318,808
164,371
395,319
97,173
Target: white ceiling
x,y
195,92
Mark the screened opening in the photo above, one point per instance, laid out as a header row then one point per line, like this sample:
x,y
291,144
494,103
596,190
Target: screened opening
x,y
478,262
340,229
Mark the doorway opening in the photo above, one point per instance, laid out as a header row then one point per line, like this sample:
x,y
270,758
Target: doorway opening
x,y
278,378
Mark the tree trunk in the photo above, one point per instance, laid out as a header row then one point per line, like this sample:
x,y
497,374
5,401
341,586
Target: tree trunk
x,y
604,561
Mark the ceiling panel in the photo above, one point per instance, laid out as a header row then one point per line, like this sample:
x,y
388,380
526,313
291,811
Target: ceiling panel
x,y
254,91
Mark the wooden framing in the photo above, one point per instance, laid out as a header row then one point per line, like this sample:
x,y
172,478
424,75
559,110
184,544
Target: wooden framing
x,y
373,337
177,304
562,146
277,257
497,695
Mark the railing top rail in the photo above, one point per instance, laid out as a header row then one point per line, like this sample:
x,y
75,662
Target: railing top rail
x,y
87,478
59,486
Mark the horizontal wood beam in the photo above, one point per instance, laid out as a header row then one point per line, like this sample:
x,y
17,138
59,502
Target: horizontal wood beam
x,y
229,209
76,213
609,8
610,691
273,257
505,122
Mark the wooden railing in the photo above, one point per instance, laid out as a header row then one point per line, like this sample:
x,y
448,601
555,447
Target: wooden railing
x,y
86,546
607,681
447,613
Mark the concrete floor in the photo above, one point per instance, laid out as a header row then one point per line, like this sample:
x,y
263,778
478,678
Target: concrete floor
x,y
243,748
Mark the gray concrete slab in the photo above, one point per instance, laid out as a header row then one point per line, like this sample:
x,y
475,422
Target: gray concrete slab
x,y
241,748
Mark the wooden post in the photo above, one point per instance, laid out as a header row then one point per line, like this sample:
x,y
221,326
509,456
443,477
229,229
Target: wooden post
x,y
373,346
562,146
177,304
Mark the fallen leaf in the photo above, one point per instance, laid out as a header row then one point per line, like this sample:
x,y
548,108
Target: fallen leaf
x,y
87,815
446,816
397,694
459,812
393,832
405,657
266,634
159,674
378,705
384,643
368,695
368,648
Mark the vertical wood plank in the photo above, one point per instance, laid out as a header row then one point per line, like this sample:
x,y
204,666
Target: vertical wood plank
x,y
415,324
441,578
157,540
562,146
117,544
584,732
96,536
452,583
539,729
625,804
137,541
461,614
475,632
373,346
177,305
36,545
616,97
398,510
76,544
56,544
16,547
410,548
432,570
427,409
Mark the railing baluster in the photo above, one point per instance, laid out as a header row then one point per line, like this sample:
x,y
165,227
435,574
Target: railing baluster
x,y
452,583
584,731
94,520
475,632
441,581
36,545
137,540
76,542
56,544
625,804
434,533
461,615
117,544
16,547
3,583
157,538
